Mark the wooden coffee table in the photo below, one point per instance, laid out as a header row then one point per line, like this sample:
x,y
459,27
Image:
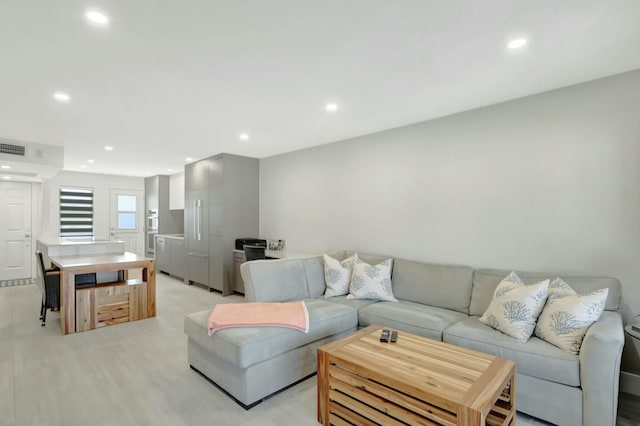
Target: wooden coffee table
x,y
414,381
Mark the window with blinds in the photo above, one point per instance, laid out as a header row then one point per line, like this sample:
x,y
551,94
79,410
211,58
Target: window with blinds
x,y
76,212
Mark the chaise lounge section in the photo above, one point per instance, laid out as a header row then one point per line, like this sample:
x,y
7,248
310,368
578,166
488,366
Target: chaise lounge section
x,y
250,364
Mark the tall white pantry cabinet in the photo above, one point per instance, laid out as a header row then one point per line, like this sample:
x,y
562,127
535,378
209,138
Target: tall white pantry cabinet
x,y
221,204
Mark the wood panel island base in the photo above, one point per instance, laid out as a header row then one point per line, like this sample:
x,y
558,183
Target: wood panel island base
x,y
362,381
109,303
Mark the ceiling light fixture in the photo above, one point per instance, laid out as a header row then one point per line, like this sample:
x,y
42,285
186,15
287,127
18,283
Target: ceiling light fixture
x,y
5,167
517,43
97,17
6,177
169,170
61,97
331,107
188,159
147,173
243,136
108,148
91,161
83,167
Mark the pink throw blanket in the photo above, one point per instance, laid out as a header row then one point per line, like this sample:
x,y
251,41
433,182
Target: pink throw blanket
x,y
257,314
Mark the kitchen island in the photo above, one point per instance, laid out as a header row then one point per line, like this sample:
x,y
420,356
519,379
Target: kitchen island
x,y
67,246
80,246
87,308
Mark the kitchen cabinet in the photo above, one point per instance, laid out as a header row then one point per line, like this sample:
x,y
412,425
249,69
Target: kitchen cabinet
x,y
176,191
176,262
162,256
151,192
196,226
221,205
170,255
156,191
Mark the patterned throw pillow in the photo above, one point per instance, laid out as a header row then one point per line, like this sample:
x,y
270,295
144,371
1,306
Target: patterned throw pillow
x,y
371,282
515,307
558,287
567,315
337,276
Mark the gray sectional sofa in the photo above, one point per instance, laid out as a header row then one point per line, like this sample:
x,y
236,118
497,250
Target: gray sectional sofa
x,y
441,302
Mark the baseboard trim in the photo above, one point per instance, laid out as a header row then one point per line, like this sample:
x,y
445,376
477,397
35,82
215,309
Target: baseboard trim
x,y
630,383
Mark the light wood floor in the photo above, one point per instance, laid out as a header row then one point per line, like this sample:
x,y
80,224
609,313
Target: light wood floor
x,y
129,374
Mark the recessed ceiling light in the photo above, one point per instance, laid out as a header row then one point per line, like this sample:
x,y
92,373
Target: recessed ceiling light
x,y
5,167
91,161
331,107
108,148
83,167
61,97
97,17
169,170
6,177
243,136
188,159
517,43
147,173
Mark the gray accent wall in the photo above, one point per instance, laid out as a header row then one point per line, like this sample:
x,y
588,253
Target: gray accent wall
x,y
545,182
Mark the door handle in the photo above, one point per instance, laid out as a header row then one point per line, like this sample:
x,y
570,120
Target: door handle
x,y
196,225
27,235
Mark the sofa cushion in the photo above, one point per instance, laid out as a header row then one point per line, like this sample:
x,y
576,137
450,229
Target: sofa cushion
x,y
248,346
415,318
314,275
535,358
485,282
283,280
442,286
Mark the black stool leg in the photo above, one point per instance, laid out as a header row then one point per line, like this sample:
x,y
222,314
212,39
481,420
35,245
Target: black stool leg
x,y
44,316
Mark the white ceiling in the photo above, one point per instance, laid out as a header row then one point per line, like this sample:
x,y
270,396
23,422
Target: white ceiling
x,y
167,80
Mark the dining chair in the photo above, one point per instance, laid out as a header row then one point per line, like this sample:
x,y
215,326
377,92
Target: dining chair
x,y
50,286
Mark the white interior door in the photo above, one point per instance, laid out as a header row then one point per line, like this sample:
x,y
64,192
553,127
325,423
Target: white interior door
x,y
126,219
15,231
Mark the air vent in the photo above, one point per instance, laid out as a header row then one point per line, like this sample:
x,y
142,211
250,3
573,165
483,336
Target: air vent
x,y
6,148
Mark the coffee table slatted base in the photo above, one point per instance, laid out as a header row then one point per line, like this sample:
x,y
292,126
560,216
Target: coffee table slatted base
x,y
352,399
396,404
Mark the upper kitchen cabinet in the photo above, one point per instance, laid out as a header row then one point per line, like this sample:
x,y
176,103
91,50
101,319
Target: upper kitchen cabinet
x,y
221,205
176,191
151,193
159,218
196,175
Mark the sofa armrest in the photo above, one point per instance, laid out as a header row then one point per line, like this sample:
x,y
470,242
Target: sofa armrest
x,y
600,356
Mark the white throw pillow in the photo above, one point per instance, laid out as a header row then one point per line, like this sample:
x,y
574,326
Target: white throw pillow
x,y
337,275
371,282
567,315
515,307
558,287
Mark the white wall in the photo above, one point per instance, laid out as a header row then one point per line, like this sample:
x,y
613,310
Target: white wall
x,y
547,182
101,185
